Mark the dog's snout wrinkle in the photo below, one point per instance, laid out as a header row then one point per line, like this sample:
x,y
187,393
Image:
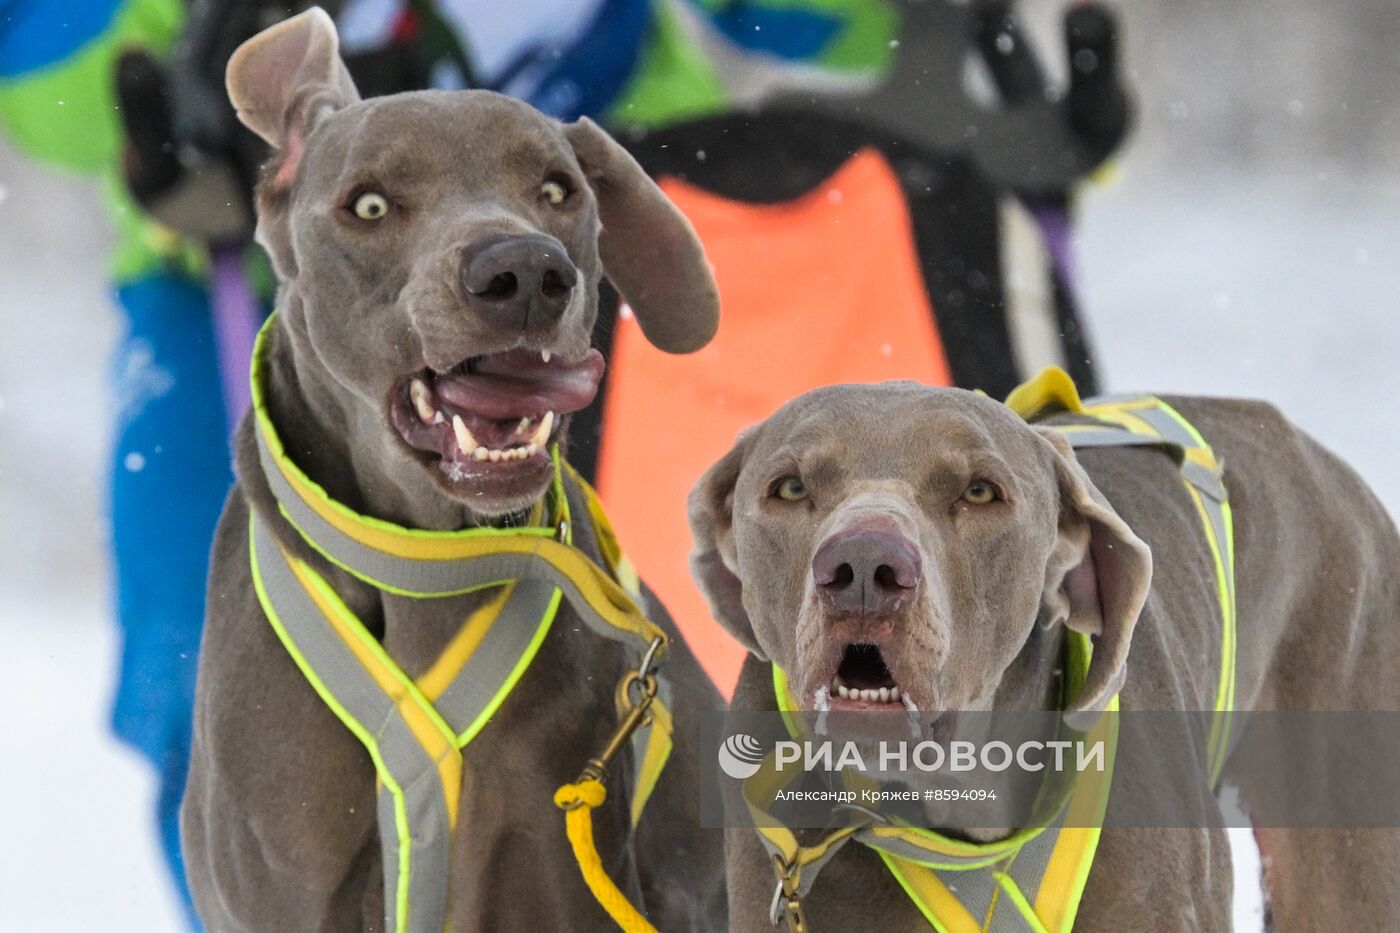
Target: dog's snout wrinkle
x,y
518,282
870,573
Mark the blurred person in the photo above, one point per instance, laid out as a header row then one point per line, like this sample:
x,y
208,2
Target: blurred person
x,y
169,462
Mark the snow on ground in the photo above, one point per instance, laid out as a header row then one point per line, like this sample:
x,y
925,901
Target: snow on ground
x,y
1251,246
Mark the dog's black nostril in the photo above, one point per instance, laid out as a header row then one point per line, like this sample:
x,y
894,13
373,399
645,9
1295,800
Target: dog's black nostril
x,y
887,577
842,577
500,287
553,284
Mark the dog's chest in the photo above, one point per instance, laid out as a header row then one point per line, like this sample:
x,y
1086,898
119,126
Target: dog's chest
x,y
416,632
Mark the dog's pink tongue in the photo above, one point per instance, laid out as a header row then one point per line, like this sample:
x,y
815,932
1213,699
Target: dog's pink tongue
x,y
520,383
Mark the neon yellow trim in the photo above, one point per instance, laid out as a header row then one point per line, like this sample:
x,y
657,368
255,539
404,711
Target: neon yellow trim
x,y
943,911
1007,885
1223,555
463,645
1181,420
992,904
546,623
1229,513
654,758
380,584
1122,415
422,719
1203,456
787,704
628,577
1214,744
1062,886
598,589
356,728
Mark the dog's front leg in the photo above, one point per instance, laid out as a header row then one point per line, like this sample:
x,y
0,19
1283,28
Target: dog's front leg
x,y
278,816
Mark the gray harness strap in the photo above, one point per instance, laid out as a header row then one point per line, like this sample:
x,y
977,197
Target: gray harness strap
x,y
372,697
412,797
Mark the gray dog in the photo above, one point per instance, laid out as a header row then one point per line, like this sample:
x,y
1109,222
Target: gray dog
x,y
939,532
439,255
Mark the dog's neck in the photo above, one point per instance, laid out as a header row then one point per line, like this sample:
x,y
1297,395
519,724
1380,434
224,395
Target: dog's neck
x,y
344,445
1035,679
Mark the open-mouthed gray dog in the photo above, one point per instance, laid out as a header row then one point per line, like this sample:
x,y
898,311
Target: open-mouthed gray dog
x,y
419,626
896,546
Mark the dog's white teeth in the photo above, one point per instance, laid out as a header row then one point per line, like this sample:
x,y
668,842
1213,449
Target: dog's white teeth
x,y
524,423
465,442
894,694
496,456
541,436
843,692
884,694
438,418
546,355
481,453
423,402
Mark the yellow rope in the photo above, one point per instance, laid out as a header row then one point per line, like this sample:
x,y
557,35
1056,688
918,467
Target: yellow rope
x,y
578,802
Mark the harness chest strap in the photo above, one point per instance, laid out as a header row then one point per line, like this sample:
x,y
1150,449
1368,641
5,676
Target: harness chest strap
x,y
1033,881
415,730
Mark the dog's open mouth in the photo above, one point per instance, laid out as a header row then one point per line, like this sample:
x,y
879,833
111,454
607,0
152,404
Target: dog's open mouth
x,y
863,682
493,413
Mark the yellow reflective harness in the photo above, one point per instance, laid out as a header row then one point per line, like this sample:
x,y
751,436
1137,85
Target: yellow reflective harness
x,y
415,730
1032,881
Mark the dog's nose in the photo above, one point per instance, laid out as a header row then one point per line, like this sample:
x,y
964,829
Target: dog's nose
x,y
870,573
519,282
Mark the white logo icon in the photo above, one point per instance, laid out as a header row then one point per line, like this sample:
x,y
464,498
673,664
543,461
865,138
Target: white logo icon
x,y
740,756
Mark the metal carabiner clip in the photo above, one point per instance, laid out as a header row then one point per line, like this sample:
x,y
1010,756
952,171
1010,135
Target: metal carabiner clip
x,y
787,905
635,713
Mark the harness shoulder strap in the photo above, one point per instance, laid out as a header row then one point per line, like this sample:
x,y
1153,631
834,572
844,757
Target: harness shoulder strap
x,y
1147,419
414,752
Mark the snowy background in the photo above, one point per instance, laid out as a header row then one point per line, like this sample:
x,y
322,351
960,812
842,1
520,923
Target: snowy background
x,y
1250,245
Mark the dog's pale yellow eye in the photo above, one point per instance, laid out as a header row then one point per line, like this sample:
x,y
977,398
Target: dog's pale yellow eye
x,y
980,493
791,489
554,192
371,206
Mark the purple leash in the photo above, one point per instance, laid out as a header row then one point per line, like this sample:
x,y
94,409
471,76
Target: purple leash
x,y
1053,220
236,322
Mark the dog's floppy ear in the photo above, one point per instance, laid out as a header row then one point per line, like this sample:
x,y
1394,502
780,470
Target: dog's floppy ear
x,y
649,249
1097,579
284,80
712,560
